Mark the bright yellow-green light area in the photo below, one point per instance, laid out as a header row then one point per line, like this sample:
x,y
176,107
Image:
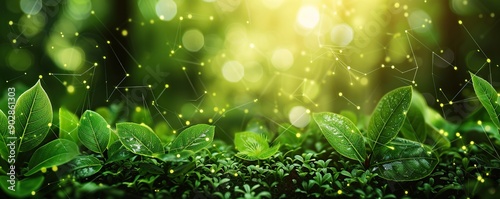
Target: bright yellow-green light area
x,y
299,116
71,58
342,35
166,9
193,40
233,71
282,59
308,17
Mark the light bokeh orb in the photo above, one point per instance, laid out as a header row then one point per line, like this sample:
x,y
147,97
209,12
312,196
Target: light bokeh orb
x,y
193,40
282,59
341,35
233,71
299,116
166,9
308,16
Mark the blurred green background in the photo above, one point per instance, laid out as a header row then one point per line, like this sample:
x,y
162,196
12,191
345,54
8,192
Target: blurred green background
x,y
227,61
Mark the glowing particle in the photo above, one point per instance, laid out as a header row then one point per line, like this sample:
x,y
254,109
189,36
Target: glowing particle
x,y
43,170
211,18
124,32
396,5
358,107
460,22
457,134
40,76
87,87
188,122
450,102
479,122
339,192
70,89
464,148
14,41
207,139
171,171
471,143
406,192
54,168
441,105
77,34
212,170
33,193
235,174
11,23
488,60
340,94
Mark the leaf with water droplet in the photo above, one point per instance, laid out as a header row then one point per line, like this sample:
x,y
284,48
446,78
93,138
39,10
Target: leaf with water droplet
x,y
93,131
85,166
68,125
117,152
342,134
33,117
194,138
488,97
54,153
24,187
139,139
253,146
404,160
388,117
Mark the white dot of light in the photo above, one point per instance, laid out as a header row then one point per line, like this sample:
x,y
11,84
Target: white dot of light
x,y
341,35
308,17
299,116
233,71
282,59
30,7
193,40
166,9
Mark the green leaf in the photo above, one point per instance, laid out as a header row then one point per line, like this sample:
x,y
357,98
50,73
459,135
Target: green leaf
x,y
117,152
33,117
440,140
414,126
253,146
488,97
94,131
4,129
23,188
139,139
404,160
388,117
54,153
85,166
142,115
68,125
342,134
290,135
194,138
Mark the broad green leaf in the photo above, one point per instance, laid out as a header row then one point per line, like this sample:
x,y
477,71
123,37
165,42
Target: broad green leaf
x,y
440,140
68,125
54,153
488,97
342,134
253,146
290,135
139,139
388,117
23,188
414,126
4,129
85,166
194,138
404,160
117,152
33,117
94,131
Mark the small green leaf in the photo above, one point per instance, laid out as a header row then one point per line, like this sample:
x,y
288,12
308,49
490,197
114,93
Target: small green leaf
x,y
194,138
4,129
117,152
342,134
68,125
54,153
404,160
253,146
139,139
388,117
33,117
23,188
85,166
257,125
414,126
488,97
93,131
